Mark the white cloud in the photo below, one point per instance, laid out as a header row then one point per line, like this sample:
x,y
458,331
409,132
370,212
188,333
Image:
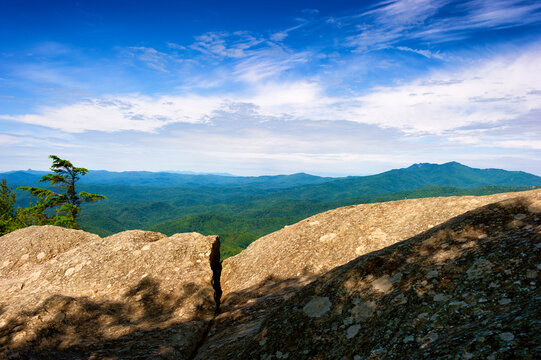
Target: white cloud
x,y
151,57
480,15
405,12
497,90
176,46
519,144
267,63
491,92
248,57
500,13
138,113
426,53
392,21
223,44
279,36
8,140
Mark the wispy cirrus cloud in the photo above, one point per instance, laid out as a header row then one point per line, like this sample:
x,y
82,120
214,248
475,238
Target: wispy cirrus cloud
x,y
426,53
412,26
397,21
176,46
279,36
478,15
151,57
267,63
251,58
489,92
244,57
388,21
224,44
6,139
499,13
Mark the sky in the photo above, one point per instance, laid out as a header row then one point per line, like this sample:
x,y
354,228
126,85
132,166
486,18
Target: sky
x,y
270,87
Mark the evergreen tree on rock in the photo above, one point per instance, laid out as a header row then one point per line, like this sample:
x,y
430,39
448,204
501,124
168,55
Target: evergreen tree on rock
x,y
66,201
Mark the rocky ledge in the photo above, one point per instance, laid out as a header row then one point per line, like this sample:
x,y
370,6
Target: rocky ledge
x,y
67,294
274,267
446,278
468,288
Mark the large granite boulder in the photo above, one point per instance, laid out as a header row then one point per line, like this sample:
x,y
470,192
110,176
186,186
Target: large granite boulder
x,y
426,278
275,267
67,294
324,241
466,289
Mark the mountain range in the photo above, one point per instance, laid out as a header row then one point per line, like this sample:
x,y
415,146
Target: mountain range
x,y
242,209
417,175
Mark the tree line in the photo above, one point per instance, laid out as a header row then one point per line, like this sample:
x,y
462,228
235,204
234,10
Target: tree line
x,y
60,204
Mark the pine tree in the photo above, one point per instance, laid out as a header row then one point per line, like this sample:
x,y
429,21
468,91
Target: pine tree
x,y
66,201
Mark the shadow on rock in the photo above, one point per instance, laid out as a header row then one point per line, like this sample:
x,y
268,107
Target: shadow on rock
x,y
242,313
145,323
465,289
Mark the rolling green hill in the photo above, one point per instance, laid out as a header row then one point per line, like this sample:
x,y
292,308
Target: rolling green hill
x,y
166,179
241,209
416,176
255,223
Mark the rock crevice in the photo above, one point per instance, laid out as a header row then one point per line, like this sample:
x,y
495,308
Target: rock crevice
x,y
260,280
216,267
328,287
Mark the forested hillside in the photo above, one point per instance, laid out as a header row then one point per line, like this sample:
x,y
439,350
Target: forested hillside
x,y
241,209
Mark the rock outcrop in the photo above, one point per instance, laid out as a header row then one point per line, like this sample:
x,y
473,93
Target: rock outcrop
x,y
137,294
322,242
467,288
426,278
274,267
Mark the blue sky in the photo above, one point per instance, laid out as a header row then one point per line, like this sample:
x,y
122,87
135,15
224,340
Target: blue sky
x,y
268,87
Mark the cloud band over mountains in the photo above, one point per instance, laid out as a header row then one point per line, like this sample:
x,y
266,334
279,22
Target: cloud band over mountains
x,y
431,76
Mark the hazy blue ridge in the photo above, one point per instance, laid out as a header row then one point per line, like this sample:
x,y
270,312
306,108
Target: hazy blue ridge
x,y
167,179
416,176
241,209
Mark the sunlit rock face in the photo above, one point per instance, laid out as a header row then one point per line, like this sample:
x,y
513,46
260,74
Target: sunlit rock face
x,y
426,278
73,295
455,286
320,243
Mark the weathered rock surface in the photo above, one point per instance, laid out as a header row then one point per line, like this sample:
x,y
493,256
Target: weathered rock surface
x,y
467,288
406,279
274,267
136,294
322,242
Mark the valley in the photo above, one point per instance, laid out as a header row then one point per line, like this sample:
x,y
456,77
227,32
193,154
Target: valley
x,y
242,209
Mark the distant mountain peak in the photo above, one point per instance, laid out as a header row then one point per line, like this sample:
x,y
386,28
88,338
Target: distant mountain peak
x,y
432,165
422,165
